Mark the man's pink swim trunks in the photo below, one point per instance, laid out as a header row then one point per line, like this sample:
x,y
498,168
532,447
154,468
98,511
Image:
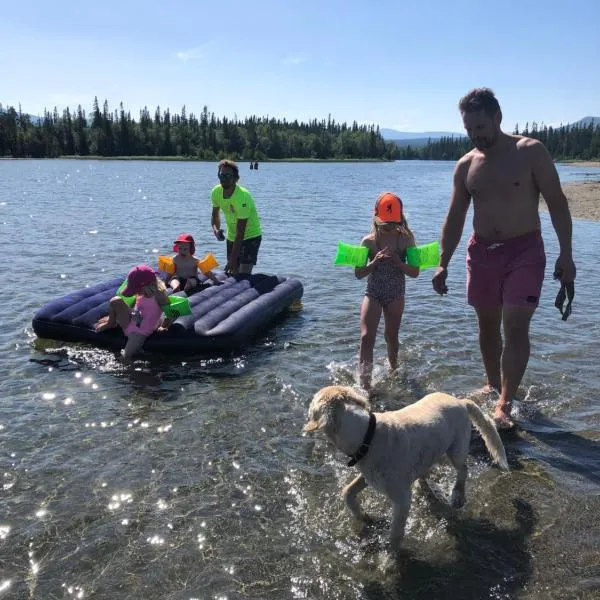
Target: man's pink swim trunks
x,y
505,272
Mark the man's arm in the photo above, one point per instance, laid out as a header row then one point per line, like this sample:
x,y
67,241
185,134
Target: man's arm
x,y
235,249
215,222
454,224
548,182
457,213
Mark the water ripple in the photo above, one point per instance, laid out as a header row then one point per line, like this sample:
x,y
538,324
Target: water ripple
x,y
192,478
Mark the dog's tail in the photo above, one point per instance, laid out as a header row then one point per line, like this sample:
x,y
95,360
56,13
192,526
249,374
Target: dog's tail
x,y
486,427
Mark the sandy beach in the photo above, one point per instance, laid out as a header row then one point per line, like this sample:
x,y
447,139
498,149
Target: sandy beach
x,y
582,163
584,200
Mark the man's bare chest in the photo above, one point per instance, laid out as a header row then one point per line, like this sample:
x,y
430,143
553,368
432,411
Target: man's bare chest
x,y
506,179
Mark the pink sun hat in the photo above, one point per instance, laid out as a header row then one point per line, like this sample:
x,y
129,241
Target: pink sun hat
x,y
138,278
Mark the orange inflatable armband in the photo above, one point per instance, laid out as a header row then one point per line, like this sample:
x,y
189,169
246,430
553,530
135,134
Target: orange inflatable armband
x,y
166,264
208,263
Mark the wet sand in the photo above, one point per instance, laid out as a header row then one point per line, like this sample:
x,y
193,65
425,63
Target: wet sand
x,y
582,163
584,200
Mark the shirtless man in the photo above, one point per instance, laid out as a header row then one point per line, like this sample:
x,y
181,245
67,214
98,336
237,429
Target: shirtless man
x,y
504,176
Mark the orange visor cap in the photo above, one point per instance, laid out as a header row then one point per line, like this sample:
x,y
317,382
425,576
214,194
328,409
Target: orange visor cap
x,y
388,208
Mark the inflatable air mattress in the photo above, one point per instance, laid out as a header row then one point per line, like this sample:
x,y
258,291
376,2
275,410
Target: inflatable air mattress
x,y
223,317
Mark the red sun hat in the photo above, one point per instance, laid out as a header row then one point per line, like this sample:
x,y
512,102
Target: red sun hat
x,y
138,278
388,208
185,238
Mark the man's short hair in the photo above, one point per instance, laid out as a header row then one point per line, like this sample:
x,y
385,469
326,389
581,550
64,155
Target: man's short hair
x,y
232,165
479,99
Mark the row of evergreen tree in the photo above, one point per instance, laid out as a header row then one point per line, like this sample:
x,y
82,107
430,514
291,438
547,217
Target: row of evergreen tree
x,y
575,142
108,133
207,137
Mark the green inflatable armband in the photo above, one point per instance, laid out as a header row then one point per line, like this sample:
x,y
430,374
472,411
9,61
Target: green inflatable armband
x,y
351,256
129,300
178,306
424,257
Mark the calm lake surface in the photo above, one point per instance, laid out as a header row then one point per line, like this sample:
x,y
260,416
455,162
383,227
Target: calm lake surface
x,y
192,479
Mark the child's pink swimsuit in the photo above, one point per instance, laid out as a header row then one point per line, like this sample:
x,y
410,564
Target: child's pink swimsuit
x,y
150,313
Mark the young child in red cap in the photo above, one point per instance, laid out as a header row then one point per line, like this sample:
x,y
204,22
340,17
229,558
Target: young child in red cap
x,y
145,317
386,269
186,265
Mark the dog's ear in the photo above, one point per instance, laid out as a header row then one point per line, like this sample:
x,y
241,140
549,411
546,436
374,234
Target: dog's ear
x,y
326,406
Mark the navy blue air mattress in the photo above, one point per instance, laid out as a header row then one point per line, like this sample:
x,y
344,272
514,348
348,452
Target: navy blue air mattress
x,y
223,317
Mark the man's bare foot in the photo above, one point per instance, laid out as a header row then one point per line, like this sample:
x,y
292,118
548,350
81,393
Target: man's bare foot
x,y
490,389
365,385
103,324
502,417
487,390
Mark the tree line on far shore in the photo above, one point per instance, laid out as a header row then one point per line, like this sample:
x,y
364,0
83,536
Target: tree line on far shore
x,y
165,134
569,142
110,133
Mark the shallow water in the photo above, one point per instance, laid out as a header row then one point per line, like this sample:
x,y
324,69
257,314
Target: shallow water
x,y
192,479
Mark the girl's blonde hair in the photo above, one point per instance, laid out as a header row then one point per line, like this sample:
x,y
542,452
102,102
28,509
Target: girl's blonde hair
x,y
154,288
402,228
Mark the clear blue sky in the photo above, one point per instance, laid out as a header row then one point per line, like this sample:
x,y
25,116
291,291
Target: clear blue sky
x,y
400,64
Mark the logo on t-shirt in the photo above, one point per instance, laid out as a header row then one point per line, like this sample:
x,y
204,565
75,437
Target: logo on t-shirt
x,y
232,208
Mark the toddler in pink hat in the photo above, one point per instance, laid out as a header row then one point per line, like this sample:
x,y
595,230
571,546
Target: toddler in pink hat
x,y
145,317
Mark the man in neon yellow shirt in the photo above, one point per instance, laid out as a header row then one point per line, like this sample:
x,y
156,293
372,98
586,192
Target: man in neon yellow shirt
x,y
244,232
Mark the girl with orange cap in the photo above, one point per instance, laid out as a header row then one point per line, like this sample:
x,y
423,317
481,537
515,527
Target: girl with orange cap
x,y
386,270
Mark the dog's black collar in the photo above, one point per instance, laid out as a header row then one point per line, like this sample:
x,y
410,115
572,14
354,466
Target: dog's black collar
x,y
362,451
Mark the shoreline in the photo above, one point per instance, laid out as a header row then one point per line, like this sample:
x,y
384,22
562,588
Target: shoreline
x,y
565,163
583,198
580,163
209,160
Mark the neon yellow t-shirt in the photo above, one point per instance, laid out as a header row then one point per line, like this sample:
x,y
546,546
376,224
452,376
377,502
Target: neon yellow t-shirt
x,y
239,206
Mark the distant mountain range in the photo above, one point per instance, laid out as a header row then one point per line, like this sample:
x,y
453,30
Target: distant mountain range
x,y
420,138
393,134
415,138
585,122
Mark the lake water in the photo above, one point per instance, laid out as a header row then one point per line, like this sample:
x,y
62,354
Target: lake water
x,y
192,479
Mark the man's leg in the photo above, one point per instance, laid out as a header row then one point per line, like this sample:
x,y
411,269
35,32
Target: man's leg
x,y
248,255
484,294
490,343
515,357
521,292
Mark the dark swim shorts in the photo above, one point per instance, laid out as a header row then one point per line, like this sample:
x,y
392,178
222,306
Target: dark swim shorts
x,y
248,250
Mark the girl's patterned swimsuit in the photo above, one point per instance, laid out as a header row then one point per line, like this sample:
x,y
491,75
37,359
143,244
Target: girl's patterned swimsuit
x,y
386,283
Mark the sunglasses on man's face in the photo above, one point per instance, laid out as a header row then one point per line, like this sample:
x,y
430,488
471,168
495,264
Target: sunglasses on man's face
x,y
226,175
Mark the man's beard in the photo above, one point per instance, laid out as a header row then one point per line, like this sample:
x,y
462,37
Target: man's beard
x,y
484,143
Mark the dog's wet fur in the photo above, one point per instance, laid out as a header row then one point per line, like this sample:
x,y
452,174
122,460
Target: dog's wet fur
x,y
405,445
